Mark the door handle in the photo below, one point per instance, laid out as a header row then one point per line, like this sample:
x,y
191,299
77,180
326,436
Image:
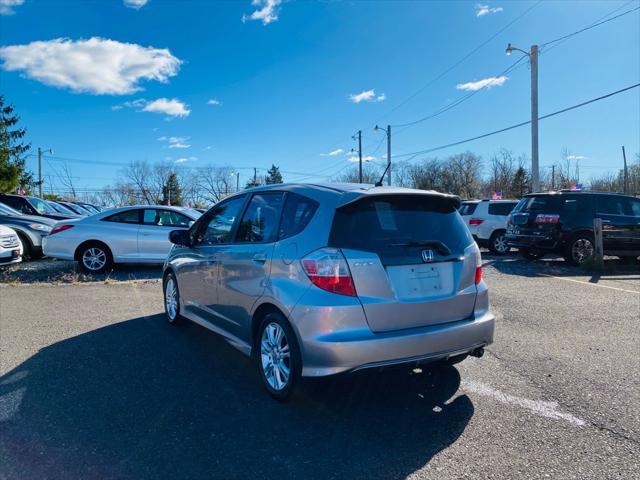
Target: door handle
x,y
259,258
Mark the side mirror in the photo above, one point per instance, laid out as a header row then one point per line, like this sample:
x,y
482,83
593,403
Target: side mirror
x,y
179,237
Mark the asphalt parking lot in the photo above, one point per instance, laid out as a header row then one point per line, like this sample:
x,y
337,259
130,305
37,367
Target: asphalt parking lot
x,y
95,384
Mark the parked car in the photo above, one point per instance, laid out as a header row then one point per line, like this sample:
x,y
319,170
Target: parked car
x,y
562,223
10,247
62,209
31,206
314,280
487,222
30,229
137,234
77,209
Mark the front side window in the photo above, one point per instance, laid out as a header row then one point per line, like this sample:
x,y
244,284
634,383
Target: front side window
x,y
216,227
129,216
260,221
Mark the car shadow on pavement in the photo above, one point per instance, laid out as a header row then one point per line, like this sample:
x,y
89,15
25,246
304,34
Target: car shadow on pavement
x,y
143,399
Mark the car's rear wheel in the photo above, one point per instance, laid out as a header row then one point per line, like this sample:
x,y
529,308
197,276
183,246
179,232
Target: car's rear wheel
x,y
172,300
498,243
580,248
278,356
95,257
531,254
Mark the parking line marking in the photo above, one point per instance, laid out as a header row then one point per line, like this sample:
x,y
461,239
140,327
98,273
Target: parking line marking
x,y
539,407
589,283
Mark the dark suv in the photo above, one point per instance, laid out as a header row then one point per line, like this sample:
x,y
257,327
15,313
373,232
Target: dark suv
x,y
31,206
562,222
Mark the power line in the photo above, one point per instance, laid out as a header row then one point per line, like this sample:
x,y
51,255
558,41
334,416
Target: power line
x,y
511,127
564,37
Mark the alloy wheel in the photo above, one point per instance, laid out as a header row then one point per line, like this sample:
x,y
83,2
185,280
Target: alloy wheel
x,y
275,356
94,259
500,244
171,298
581,249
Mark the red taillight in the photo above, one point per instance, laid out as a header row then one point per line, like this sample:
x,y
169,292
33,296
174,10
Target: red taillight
x,y
478,278
547,218
60,228
327,269
475,221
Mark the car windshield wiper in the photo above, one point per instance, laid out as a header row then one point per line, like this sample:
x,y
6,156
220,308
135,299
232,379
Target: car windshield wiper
x,y
437,245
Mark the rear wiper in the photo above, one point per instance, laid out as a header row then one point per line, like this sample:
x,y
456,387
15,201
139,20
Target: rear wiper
x,y
437,245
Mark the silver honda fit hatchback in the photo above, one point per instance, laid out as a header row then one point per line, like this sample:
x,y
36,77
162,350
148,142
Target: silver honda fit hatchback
x,y
315,280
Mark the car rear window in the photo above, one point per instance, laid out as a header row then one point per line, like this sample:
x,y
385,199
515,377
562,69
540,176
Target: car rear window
x,y
394,226
501,208
538,203
468,208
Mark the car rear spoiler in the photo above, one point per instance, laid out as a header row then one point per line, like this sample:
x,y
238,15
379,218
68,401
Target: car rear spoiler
x,y
453,201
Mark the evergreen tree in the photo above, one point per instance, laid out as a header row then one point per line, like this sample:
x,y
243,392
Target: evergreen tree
x,y
273,175
12,151
171,192
520,184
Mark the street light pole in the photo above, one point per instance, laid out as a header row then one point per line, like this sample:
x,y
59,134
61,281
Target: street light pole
x,y
533,60
388,169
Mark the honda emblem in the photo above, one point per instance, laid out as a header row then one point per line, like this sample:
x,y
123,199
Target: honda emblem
x,y
427,256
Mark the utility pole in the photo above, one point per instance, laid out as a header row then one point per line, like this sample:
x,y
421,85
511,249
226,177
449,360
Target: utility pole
x,y
533,60
389,154
360,155
40,152
625,177
553,177
255,175
535,173
237,182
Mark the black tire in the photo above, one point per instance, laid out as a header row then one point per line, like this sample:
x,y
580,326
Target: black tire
x,y
100,252
173,317
577,250
264,358
27,248
531,254
498,244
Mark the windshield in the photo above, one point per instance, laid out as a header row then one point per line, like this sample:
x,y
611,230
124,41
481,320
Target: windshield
x,y
7,210
40,205
61,208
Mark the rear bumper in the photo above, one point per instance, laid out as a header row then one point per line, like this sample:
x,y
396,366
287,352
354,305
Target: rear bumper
x,y
336,352
531,241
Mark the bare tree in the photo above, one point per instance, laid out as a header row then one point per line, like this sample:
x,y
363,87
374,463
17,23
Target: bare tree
x,y
215,183
370,174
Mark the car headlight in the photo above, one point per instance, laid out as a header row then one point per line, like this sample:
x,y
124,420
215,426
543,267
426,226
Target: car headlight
x,y
40,226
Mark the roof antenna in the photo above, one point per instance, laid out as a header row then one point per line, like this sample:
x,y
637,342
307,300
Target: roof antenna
x,y
379,182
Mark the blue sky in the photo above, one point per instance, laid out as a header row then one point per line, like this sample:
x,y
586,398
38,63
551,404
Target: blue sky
x,y
246,85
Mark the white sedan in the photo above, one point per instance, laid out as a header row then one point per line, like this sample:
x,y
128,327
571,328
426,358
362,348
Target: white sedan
x,y
138,234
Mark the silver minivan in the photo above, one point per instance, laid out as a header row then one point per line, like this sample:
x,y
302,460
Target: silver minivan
x,y
315,280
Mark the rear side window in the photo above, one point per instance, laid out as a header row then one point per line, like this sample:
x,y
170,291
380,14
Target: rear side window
x,y
296,215
502,208
165,218
468,208
612,205
130,216
394,226
575,205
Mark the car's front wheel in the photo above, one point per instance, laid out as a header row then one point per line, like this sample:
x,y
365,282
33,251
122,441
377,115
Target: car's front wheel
x,y
498,243
95,257
278,356
172,300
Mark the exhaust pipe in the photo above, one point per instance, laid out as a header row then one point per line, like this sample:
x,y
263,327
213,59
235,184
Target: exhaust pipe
x,y
478,352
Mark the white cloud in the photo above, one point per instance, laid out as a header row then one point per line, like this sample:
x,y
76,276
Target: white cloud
x,y
333,153
484,83
482,10
214,101
576,157
365,158
367,96
175,142
266,11
6,6
185,159
172,108
98,66
137,4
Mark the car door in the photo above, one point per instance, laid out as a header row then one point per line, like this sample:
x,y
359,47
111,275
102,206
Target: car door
x,y
153,234
120,232
615,212
198,268
244,265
